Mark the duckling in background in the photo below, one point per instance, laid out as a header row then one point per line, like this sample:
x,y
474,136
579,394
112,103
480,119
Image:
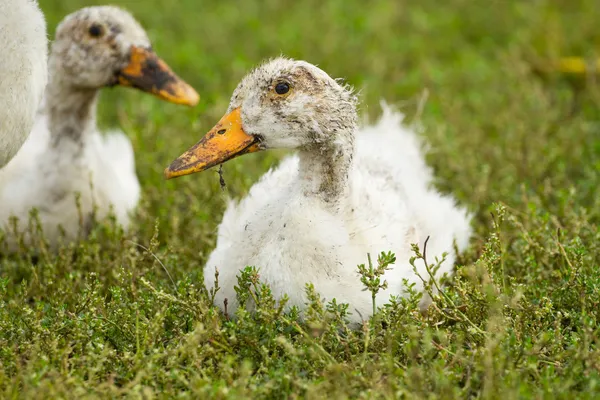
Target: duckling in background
x,y
66,154
23,47
347,192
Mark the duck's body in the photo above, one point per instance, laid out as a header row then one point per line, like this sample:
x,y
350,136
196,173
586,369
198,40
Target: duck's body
x,y
68,170
347,192
69,183
295,239
23,66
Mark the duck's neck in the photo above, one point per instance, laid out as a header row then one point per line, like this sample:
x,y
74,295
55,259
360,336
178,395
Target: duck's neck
x,y
71,112
324,170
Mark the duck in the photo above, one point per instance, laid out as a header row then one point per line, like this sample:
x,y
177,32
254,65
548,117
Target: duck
x,y
23,46
348,192
68,170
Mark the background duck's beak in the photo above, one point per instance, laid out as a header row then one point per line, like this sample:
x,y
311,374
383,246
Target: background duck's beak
x,y
147,72
223,142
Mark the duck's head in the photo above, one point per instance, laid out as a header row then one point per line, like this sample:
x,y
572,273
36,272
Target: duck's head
x,y
105,46
282,104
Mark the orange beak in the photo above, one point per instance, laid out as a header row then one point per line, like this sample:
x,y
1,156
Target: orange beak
x,y
224,141
149,73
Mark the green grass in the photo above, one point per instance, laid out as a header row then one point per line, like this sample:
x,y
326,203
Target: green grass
x,y
521,320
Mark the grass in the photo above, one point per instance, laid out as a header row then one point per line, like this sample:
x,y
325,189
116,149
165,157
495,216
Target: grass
x,y
126,315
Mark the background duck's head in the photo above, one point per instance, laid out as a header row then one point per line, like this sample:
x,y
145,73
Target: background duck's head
x,y
282,104
105,46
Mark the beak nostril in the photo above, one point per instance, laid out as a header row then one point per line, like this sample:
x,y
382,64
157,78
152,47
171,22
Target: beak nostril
x,y
221,131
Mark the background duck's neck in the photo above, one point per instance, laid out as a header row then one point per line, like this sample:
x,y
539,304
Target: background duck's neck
x,y
71,112
324,169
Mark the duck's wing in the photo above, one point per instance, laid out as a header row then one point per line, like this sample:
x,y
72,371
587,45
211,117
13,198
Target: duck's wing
x,y
389,147
118,149
113,167
393,189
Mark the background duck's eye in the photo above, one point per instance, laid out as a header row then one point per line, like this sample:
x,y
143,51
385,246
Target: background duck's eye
x,y
282,88
96,30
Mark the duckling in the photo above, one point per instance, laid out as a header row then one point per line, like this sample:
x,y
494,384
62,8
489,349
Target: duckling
x,y
23,46
95,47
348,192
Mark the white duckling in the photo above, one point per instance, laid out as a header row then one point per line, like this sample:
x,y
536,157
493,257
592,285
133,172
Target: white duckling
x,y
94,47
23,72
347,192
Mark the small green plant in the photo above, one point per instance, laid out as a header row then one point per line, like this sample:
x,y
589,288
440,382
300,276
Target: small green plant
x,y
372,277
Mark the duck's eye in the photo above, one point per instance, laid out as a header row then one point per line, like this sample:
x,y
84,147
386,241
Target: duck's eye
x,y
282,88
96,31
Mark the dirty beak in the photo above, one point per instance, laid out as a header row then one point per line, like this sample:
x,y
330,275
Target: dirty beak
x,y
223,142
149,73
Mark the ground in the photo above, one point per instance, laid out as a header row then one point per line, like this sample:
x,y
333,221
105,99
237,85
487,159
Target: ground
x,y
127,315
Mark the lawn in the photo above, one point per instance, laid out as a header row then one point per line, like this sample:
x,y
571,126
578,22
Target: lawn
x,y
127,314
